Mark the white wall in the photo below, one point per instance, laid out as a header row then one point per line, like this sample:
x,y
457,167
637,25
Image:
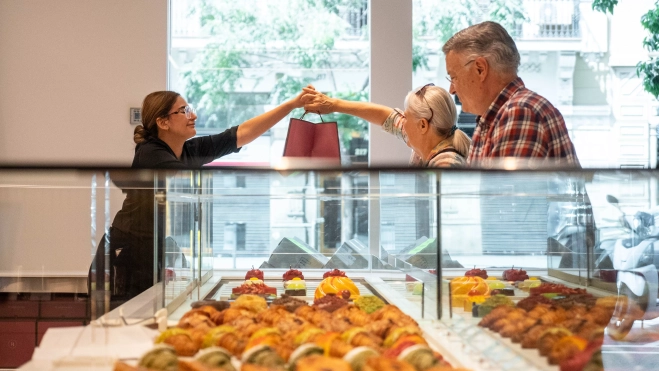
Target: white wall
x,y
69,72
391,74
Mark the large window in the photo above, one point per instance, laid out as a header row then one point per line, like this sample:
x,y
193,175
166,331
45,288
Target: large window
x,y
581,60
234,60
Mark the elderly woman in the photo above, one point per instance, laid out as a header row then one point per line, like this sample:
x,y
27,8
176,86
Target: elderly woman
x,y
427,125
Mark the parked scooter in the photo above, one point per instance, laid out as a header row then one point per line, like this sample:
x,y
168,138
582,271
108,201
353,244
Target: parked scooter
x,y
633,257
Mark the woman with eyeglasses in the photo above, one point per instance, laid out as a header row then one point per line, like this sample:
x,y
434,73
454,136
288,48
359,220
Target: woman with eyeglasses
x,y
165,140
427,125
168,124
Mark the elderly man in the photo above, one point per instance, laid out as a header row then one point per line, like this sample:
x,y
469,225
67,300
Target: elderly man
x,y
513,121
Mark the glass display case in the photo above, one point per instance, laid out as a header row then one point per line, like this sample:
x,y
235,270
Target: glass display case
x,y
571,243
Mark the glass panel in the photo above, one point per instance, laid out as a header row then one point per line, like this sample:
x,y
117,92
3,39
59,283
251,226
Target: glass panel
x,y
310,220
181,233
234,60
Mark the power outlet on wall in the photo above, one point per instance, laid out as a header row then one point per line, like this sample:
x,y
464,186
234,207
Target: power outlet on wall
x,y
135,116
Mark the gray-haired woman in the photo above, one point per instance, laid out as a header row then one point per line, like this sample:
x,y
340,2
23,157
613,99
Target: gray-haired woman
x,y
427,124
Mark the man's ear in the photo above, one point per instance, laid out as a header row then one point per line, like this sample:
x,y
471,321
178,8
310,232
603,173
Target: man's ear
x,y
482,68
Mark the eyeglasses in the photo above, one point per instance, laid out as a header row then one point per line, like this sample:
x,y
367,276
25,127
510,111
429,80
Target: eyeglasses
x,y
452,79
420,93
188,111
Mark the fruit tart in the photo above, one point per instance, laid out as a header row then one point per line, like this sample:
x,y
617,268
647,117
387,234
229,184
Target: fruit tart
x,y
254,285
334,282
513,274
476,272
294,284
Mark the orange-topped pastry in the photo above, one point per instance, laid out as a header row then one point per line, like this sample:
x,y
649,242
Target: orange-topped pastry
x,y
335,282
464,287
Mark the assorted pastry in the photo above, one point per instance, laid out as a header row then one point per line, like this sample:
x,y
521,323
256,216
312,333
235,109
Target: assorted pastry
x,y
336,282
294,284
568,330
476,272
342,330
331,334
254,285
513,274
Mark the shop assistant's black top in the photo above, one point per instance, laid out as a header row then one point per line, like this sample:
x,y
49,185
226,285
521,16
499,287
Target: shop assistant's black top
x,y
136,214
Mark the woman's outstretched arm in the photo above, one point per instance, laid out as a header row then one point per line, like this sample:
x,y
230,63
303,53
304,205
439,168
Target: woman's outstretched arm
x,y
255,127
321,103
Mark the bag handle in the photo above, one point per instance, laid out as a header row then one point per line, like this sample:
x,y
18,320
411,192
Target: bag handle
x,y
318,113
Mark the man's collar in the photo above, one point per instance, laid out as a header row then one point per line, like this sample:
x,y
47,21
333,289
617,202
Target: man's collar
x,y
500,100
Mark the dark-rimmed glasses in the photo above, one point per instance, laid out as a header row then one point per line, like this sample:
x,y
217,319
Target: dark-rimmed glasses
x,y
421,92
188,111
451,79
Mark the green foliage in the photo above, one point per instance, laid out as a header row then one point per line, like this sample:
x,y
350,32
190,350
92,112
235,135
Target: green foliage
x,y
650,69
508,13
446,17
650,72
298,43
604,5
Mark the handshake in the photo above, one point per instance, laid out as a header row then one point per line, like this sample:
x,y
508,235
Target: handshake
x,y
315,101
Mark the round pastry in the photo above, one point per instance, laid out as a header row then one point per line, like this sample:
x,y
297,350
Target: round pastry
x,y
530,302
253,367
303,351
398,332
322,363
215,357
219,305
493,302
386,364
358,357
252,303
307,335
334,282
161,357
211,337
329,302
419,356
180,339
566,348
550,337
289,303
263,355
265,336
369,303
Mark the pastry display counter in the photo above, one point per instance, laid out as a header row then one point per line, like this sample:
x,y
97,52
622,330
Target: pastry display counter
x,y
419,240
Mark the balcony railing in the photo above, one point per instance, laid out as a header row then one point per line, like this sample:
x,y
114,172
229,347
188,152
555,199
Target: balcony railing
x,y
549,19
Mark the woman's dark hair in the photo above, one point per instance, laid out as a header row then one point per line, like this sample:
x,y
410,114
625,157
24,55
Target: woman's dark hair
x,y
155,105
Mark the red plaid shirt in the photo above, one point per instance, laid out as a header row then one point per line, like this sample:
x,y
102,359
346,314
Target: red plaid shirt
x,y
521,123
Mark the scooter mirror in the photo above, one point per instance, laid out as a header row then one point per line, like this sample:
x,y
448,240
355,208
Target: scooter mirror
x,y
612,200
